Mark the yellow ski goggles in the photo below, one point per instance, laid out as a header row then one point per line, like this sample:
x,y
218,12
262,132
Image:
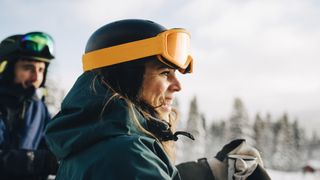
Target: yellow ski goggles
x,y
172,47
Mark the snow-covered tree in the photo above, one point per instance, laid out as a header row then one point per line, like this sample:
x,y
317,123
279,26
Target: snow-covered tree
x,y
284,154
179,127
314,147
195,125
239,125
215,138
258,127
264,138
300,144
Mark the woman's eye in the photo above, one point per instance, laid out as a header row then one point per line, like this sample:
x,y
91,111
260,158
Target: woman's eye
x,y
165,73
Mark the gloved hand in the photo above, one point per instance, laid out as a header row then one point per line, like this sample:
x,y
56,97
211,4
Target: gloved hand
x,y
219,164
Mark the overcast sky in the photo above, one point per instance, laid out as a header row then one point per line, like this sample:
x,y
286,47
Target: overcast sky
x,y
264,51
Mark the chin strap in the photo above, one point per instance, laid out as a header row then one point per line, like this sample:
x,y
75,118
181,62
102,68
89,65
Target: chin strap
x,y
161,129
184,133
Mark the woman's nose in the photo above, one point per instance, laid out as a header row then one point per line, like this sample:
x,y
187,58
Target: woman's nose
x,y
176,85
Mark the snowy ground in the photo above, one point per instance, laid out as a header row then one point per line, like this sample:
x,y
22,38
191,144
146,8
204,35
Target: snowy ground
x,y
279,175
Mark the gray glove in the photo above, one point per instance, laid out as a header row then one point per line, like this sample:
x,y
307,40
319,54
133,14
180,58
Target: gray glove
x,y
244,161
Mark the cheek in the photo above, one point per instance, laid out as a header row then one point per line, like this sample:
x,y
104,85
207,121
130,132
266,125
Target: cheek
x,y
21,76
158,89
152,91
40,78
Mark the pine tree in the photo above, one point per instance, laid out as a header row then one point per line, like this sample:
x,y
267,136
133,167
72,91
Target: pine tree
x,y
258,127
239,125
179,126
284,147
314,147
195,126
215,138
264,138
299,150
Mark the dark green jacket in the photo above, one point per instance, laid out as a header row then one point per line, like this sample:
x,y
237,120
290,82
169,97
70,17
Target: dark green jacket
x,y
95,145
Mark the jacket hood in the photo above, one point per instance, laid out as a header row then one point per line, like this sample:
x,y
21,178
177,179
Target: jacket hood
x,y
85,119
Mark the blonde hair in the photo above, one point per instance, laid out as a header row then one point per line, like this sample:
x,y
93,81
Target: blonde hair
x,y
168,146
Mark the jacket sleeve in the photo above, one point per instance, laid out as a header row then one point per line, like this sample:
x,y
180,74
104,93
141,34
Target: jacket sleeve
x,y
199,170
27,163
146,159
15,162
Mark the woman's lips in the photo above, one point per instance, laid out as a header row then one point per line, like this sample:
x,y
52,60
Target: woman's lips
x,y
166,107
167,104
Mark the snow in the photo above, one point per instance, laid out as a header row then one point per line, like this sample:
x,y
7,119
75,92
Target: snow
x,y
314,163
280,175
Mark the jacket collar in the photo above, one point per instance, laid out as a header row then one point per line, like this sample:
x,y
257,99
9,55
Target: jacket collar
x,y
13,95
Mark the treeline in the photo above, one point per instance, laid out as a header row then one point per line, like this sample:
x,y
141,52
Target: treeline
x,y
282,143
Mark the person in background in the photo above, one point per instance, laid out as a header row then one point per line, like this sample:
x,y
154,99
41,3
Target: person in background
x,y
117,121
24,61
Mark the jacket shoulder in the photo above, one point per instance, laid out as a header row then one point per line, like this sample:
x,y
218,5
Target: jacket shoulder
x,y
120,157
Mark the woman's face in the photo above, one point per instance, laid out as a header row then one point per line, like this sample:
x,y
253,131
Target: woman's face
x,y
158,87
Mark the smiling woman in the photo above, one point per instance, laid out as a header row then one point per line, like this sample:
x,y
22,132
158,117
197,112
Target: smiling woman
x,y
158,88
117,122
121,105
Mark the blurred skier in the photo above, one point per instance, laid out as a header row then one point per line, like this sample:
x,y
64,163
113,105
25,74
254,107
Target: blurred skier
x,y
24,60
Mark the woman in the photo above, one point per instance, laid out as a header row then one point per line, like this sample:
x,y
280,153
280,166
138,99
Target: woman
x,y
117,121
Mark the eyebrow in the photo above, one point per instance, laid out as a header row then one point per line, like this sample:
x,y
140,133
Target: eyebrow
x,y
27,65
164,66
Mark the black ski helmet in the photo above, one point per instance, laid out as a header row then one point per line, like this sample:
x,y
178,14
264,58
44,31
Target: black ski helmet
x,y
123,31
125,78
36,46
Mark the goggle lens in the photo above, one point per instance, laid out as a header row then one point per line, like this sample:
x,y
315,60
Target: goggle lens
x,y
178,47
37,42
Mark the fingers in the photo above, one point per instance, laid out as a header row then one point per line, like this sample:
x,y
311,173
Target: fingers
x,y
219,168
245,149
223,153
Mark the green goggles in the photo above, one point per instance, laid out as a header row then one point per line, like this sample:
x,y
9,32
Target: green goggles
x,y
37,43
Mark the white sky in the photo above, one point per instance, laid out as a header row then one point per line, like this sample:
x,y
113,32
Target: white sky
x,y
266,52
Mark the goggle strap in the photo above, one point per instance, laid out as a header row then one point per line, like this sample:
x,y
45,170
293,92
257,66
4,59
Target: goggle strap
x,y
37,58
122,53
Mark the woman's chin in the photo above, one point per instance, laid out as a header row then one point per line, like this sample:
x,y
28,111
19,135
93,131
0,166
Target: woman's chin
x,y
164,112
166,108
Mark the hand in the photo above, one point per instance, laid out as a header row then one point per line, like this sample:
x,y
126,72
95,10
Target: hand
x,y
219,164
238,147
